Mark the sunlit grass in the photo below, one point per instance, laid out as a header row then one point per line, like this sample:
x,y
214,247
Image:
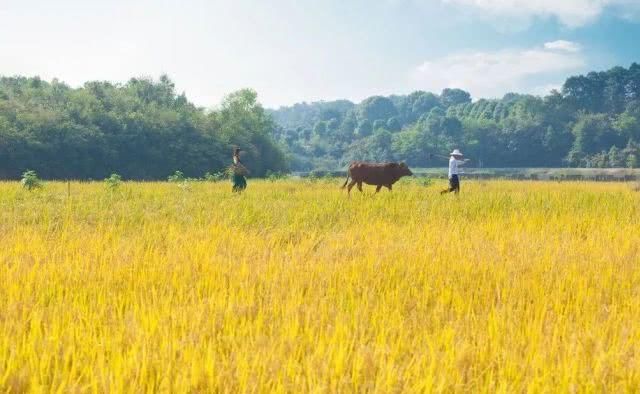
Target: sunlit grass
x,y
293,287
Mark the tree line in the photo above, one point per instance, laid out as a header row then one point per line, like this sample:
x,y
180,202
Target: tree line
x,y
141,130
593,121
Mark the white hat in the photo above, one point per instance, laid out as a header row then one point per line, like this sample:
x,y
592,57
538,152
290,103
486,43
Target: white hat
x,y
456,152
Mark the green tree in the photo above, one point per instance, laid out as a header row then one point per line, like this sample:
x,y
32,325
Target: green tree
x,y
320,129
593,133
394,124
423,104
333,125
615,158
243,122
142,129
347,128
375,108
450,97
379,124
376,147
365,128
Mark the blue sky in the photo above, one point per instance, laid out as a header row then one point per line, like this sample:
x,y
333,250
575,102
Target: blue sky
x,y
303,50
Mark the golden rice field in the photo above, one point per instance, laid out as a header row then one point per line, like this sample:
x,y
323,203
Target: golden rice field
x,y
292,287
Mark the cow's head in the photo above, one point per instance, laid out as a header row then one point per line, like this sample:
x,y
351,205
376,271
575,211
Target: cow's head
x,y
404,169
401,169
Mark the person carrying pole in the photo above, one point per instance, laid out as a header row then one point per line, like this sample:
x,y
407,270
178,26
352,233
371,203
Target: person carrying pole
x,y
238,172
455,161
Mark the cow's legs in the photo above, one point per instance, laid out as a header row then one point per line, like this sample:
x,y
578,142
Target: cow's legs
x,y
389,186
378,188
360,186
350,186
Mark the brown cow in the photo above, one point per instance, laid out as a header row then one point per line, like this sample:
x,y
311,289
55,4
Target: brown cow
x,y
378,174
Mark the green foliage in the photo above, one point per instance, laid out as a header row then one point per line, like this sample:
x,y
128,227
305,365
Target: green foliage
x,y
177,176
615,157
632,161
30,180
320,129
592,122
394,124
113,182
243,122
379,124
422,105
216,176
276,176
365,128
141,129
309,114
332,125
450,97
183,182
375,108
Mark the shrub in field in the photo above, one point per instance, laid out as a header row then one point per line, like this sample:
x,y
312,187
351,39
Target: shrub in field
x,y
113,182
216,176
182,181
30,180
177,176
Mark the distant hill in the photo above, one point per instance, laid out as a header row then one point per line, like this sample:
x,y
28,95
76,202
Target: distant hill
x,y
594,121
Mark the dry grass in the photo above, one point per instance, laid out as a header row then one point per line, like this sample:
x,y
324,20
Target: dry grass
x,y
292,287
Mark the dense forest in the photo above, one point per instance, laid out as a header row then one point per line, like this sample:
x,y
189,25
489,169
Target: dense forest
x,y
140,130
143,129
594,121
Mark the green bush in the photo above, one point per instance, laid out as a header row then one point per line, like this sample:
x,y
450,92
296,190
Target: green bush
x,y
177,176
113,182
216,176
30,180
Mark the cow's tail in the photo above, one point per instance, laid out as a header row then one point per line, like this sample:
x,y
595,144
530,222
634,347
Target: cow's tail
x,y
346,181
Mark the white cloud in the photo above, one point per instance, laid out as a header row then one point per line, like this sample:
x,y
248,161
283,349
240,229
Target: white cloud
x,y
572,13
562,45
492,74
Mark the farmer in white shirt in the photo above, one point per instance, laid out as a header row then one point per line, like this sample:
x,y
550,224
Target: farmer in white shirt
x,y
454,162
